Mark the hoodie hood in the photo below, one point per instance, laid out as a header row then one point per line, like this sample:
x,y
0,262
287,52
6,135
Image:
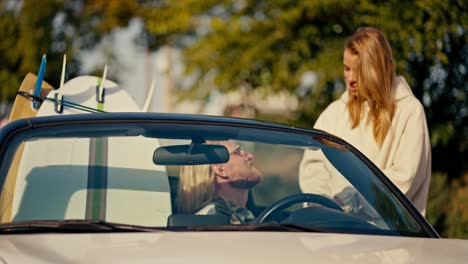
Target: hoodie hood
x,y
402,90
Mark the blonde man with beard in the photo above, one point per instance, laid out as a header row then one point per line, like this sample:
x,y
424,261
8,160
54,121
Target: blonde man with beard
x,y
220,188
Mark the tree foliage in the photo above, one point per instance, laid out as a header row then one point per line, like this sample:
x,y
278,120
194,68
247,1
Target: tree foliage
x,y
27,32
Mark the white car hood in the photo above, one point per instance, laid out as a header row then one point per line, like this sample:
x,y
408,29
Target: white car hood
x,y
228,247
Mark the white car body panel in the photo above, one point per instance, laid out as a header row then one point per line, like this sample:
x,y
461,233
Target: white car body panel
x,y
228,247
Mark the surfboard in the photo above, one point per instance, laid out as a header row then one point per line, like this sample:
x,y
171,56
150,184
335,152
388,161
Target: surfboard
x,y
22,108
93,181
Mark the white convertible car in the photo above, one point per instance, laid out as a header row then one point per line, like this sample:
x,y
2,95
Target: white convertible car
x,y
167,188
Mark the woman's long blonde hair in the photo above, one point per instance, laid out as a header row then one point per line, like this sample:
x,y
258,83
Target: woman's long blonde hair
x,y
375,79
196,188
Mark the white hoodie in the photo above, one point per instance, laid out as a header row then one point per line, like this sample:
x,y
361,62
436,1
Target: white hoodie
x,y
405,155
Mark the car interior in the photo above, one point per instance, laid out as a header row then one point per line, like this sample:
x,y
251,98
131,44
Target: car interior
x,y
71,163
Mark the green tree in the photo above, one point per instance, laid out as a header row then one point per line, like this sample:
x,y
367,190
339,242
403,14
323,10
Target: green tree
x,y
28,31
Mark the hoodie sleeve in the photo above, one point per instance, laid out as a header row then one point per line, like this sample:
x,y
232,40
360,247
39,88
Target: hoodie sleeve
x,y
314,176
412,163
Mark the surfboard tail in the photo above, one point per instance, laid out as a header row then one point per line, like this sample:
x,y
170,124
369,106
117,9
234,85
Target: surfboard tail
x,y
22,107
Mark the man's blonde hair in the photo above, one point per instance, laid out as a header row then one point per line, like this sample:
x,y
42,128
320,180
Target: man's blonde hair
x,y
197,185
375,79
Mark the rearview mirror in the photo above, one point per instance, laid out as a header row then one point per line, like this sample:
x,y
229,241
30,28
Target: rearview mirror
x,y
197,154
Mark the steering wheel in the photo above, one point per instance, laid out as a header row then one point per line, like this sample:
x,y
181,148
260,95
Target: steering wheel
x,y
295,199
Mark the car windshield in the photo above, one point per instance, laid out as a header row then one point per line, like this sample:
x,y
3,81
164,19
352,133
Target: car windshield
x,y
171,174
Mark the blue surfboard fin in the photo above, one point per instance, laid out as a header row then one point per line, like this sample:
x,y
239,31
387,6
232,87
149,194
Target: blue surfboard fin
x,y
39,79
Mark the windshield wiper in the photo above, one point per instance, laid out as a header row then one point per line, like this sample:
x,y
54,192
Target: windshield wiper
x,y
71,226
258,227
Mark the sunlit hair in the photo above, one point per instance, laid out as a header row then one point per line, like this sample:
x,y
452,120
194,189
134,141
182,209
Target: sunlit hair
x,y
375,79
196,188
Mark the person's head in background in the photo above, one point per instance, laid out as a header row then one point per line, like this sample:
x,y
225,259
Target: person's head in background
x,y
200,184
369,72
240,110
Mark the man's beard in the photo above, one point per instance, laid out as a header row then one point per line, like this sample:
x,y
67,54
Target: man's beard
x,y
244,184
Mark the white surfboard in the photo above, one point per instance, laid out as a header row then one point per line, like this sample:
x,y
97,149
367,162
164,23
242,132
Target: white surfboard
x,y
135,191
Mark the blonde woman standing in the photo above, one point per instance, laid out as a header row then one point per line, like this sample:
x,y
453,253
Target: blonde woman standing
x,y
379,115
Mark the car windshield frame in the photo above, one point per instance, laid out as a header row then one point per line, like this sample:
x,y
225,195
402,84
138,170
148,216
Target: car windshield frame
x,y
133,124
